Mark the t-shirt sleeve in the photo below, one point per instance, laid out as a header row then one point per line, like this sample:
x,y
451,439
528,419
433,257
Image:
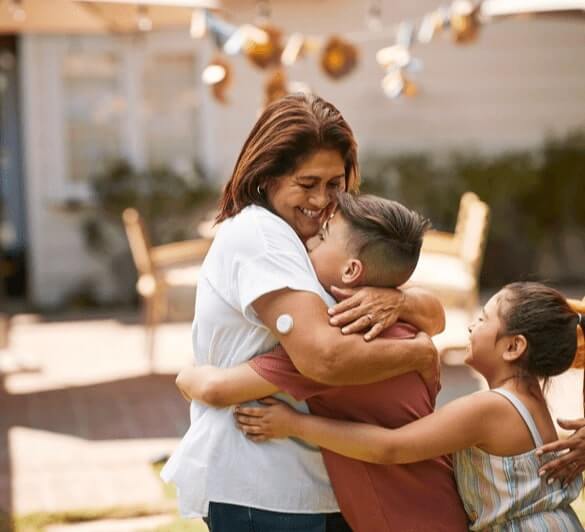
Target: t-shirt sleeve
x,y
271,271
277,368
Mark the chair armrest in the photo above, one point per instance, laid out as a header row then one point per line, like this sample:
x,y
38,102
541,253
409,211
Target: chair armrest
x,y
177,252
577,305
440,242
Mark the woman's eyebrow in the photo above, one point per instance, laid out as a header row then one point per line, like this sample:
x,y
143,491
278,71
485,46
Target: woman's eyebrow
x,y
318,177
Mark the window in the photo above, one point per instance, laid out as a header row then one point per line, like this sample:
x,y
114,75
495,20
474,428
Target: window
x,y
170,110
94,109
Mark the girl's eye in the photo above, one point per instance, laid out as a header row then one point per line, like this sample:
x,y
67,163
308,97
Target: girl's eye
x,y
306,187
335,184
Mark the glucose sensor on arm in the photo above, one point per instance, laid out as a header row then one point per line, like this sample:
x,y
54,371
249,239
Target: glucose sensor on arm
x,y
284,323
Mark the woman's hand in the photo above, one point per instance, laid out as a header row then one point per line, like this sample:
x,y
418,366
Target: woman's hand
x,y
365,309
572,463
275,420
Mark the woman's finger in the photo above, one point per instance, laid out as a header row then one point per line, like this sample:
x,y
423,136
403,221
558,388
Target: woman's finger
x,y
559,445
374,332
349,316
555,467
571,424
365,322
345,305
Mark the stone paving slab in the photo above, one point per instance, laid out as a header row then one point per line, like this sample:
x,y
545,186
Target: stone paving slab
x,y
82,431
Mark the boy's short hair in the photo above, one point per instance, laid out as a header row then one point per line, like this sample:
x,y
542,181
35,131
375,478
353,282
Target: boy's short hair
x,y
385,235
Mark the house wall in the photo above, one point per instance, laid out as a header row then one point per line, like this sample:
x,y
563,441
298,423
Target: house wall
x,y
520,81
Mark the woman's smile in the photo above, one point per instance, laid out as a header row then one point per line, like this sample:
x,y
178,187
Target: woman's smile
x,y
305,197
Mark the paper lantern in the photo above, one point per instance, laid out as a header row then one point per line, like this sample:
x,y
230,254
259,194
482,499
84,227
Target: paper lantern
x,y
266,52
339,58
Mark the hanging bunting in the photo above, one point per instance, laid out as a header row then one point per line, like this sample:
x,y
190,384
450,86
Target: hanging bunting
x,y
218,29
267,52
218,75
275,86
294,49
396,84
338,58
464,22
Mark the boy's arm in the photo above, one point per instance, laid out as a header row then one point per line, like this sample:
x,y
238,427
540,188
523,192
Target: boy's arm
x,y
221,387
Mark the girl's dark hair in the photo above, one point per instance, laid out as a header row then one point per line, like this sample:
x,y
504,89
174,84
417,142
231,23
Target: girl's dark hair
x,y
543,316
288,132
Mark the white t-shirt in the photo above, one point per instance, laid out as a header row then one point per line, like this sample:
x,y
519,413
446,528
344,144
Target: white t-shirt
x,y
253,253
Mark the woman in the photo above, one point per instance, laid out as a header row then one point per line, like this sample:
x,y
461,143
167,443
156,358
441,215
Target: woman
x,y
298,155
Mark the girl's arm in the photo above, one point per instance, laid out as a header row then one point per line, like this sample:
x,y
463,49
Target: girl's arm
x,y
465,422
376,309
222,387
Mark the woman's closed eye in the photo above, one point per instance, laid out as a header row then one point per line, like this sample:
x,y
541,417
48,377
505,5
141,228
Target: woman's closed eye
x,y
335,185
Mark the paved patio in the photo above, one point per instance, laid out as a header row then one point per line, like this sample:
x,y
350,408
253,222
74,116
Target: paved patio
x,y
82,431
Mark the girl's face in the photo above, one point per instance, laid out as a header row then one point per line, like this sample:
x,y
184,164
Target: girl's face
x,y
485,348
304,198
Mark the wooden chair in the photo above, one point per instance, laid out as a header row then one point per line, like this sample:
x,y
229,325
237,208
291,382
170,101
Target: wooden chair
x,y
450,263
160,268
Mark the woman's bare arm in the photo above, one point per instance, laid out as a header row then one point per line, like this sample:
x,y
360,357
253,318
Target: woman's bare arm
x,y
463,423
324,354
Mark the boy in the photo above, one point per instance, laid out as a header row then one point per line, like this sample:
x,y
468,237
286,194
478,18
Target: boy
x,y
369,241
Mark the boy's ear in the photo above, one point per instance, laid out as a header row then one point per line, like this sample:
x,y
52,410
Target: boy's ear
x,y
515,348
353,272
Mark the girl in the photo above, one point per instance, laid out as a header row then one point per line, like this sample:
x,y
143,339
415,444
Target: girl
x,y
526,332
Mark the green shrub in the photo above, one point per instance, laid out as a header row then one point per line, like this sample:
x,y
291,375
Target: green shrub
x,y
536,199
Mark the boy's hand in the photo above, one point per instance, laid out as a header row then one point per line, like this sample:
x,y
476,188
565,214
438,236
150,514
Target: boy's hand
x,y
276,420
365,309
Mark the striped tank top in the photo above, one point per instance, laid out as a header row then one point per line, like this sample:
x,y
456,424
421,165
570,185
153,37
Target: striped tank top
x,y
505,493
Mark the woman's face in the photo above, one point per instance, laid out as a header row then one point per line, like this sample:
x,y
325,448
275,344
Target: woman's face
x,y
305,197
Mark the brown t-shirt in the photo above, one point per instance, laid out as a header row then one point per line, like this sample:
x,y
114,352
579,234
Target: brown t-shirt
x,y
376,498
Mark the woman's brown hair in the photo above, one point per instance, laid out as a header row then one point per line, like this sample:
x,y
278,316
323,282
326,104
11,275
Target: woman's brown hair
x,y
287,133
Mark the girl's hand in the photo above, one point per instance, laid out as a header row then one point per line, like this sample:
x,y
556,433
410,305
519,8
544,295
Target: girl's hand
x,y
365,309
274,421
572,462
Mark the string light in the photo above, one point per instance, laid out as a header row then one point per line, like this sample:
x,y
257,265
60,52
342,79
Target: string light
x,y
198,26
17,11
374,15
261,42
143,20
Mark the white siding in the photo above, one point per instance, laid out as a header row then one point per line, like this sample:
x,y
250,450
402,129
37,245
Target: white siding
x,y
521,80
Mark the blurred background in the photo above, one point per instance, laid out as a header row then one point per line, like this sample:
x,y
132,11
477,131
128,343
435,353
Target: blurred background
x,y
106,106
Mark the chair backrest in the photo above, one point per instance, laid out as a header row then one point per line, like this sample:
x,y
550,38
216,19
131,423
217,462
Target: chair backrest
x,y
471,231
138,241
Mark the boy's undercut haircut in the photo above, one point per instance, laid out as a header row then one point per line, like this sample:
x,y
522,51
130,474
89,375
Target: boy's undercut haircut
x,y
385,235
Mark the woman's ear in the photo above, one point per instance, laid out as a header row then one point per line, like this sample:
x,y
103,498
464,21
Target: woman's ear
x,y
353,272
515,348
